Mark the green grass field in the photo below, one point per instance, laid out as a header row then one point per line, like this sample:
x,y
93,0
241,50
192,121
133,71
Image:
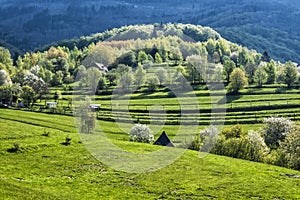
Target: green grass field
x,y
250,107
43,168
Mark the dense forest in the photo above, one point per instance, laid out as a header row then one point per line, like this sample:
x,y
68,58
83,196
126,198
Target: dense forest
x,y
270,26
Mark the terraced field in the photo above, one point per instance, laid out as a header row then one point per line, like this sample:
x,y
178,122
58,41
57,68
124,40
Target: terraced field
x,y
201,106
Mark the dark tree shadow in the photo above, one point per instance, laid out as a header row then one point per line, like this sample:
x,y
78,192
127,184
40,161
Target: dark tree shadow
x,y
229,98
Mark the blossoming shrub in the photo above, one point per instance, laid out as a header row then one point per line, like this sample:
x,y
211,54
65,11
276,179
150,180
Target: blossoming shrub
x,y
204,141
141,133
250,147
209,137
291,149
275,130
276,143
259,150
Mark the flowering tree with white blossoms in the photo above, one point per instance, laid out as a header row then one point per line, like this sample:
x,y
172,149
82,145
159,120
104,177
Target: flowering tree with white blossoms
x,y
259,147
209,137
275,130
141,133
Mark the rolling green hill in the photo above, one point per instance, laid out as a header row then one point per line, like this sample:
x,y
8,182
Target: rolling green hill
x,y
43,168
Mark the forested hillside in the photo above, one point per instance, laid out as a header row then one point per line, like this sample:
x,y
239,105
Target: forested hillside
x,y
196,53
270,25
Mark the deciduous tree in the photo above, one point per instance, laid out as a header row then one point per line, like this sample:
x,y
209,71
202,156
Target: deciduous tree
x,y
28,95
238,80
289,74
140,76
275,130
142,57
260,76
4,77
153,83
162,75
158,59
270,68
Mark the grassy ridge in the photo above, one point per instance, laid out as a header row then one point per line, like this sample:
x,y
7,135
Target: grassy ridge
x,y
46,169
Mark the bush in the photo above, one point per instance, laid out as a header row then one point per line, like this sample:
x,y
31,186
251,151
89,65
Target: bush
x,y
194,143
250,147
233,132
218,148
204,141
141,133
209,137
275,130
276,157
291,149
282,149
259,149
232,147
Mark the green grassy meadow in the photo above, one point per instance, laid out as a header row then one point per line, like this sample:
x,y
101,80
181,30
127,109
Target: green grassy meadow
x,y
250,106
43,168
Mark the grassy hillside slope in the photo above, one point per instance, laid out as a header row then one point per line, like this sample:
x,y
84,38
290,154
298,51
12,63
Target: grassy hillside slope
x,y
43,168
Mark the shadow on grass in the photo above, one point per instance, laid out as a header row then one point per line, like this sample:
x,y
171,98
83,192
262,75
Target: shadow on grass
x,y
282,90
254,90
229,98
14,149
